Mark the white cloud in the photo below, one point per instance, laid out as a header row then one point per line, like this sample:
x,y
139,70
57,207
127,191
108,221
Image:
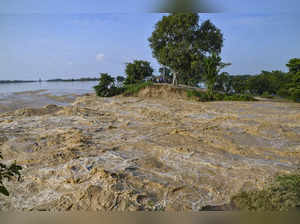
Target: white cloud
x,y
70,63
99,57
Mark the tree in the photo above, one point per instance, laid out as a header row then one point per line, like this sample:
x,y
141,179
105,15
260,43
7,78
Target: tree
x,y
294,65
181,44
7,172
106,86
224,83
212,65
120,81
258,84
137,71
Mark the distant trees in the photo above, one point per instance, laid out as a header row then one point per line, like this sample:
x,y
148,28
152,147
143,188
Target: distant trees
x,y
181,44
137,71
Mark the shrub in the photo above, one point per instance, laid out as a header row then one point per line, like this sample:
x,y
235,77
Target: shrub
x,y
266,94
283,92
219,96
106,86
7,172
197,95
295,94
238,98
282,195
204,97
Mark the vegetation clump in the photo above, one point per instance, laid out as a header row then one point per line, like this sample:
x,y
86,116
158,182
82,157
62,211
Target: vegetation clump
x,y
8,172
282,195
216,96
133,89
107,87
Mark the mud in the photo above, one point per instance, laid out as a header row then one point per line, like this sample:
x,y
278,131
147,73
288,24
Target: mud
x,y
127,154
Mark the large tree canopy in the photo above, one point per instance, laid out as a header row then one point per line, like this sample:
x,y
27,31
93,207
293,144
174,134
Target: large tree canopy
x,y
180,43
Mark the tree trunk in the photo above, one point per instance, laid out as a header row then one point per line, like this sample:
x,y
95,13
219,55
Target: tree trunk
x,y
175,83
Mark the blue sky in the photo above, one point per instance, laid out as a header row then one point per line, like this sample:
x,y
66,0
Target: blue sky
x,y
82,38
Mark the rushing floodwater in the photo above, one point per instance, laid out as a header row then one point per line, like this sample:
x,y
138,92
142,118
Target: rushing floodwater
x,y
19,95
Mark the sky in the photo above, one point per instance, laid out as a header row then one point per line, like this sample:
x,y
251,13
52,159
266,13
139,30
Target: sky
x,y
72,39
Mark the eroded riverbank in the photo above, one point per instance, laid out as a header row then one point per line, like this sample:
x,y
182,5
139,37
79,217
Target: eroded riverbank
x,y
145,153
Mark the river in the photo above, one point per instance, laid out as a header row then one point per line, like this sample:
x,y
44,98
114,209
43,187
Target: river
x,y
37,94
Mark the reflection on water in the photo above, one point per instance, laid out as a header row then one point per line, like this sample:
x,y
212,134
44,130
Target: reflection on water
x,y
19,95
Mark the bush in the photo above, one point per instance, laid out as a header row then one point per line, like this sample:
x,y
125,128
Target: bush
x,y
197,95
7,172
266,94
219,96
106,86
238,98
295,94
283,92
204,97
282,195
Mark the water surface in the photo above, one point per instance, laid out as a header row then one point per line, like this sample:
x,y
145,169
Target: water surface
x,y
20,95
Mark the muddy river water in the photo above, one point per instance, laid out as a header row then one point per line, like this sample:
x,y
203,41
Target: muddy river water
x,y
135,153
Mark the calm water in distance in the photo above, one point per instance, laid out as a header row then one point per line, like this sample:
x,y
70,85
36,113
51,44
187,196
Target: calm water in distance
x,y
55,88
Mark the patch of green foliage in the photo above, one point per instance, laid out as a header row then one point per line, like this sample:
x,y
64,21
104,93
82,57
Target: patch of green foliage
x,y
237,97
137,71
282,195
199,96
132,89
267,95
7,172
205,97
107,87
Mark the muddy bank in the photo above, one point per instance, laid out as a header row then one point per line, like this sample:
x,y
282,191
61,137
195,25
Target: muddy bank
x,y
146,153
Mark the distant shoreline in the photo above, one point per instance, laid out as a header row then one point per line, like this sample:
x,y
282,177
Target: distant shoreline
x,y
15,81
73,80
50,80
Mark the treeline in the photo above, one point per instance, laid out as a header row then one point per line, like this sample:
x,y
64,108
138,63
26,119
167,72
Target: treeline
x,y
189,53
265,84
15,81
73,80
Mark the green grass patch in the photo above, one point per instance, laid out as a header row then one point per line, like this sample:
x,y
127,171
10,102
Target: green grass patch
x,y
132,89
204,97
283,194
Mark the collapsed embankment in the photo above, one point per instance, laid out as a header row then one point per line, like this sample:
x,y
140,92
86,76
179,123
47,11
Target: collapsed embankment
x,y
152,152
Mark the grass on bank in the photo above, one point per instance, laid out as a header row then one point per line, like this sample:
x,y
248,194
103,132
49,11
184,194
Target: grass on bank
x,y
205,97
283,194
132,89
